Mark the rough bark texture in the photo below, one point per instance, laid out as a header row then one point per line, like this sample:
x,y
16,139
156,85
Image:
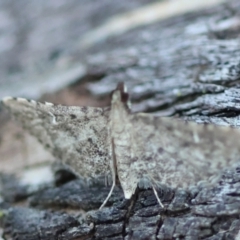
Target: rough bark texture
x,y
39,40
187,66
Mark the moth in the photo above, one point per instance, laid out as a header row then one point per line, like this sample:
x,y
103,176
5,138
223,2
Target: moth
x,y
132,147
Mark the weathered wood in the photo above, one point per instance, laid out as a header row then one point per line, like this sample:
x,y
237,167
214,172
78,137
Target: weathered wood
x,y
39,41
187,66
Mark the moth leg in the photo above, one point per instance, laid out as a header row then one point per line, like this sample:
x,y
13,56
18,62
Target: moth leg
x,y
156,195
113,167
109,194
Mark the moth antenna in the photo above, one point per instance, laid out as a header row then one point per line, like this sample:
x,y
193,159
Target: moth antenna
x,y
124,94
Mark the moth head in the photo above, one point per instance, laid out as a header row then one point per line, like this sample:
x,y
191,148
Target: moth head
x,y
120,95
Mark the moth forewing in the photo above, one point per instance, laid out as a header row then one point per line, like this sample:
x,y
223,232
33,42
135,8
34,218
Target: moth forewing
x,y
180,154
76,135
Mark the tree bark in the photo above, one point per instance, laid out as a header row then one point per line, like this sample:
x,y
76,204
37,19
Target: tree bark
x,y
187,66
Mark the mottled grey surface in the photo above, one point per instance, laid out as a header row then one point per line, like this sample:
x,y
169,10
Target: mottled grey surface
x,y
39,41
206,217
205,213
184,65
134,147
77,136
